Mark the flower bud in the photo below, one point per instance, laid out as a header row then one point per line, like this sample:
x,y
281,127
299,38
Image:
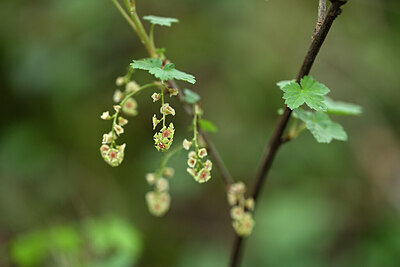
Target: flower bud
x,y
120,81
113,135
105,115
203,176
132,86
244,225
168,172
202,152
150,178
237,188
130,107
173,91
232,199
250,203
122,121
192,154
121,148
117,108
155,121
118,129
106,139
191,162
104,149
114,156
186,144
155,97
158,202
166,109
237,213
208,165
162,184
118,95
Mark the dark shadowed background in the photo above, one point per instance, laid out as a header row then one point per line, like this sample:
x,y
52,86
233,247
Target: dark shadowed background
x,y
323,205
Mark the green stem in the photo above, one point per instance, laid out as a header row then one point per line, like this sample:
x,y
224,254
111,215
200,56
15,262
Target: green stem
x,y
139,29
152,35
124,14
115,116
195,129
165,159
135,92
162,105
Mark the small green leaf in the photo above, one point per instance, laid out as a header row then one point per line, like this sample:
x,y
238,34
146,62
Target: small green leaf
x,y
168,72
282,84
208,126
161,20
190,96
147,64
321,126
308,91
341,108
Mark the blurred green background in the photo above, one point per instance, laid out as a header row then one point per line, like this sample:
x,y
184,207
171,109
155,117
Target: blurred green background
x,y
323,205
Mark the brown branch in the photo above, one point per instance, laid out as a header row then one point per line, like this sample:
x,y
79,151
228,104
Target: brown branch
x,y
276,139
321,15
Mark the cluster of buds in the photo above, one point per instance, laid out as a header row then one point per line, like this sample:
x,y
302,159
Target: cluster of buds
x,y
199,169
129,105
163,139
112,153
243,222
158,201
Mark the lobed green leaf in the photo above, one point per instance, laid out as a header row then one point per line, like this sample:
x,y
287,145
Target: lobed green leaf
x,y
309,91
168,72
321,126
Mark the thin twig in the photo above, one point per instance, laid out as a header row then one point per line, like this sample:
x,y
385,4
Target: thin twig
x,y
276,139
124,14
321,15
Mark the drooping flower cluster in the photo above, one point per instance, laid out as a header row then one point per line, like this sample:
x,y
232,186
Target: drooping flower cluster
x,y
243,222
198,167
158,201
163,139
112,153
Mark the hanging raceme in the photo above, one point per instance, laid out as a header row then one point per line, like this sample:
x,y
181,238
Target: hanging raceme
x,y
111,152
242,218
198,167
158,200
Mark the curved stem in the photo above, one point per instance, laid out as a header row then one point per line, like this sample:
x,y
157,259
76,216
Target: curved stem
x,y
152,35
135,92
115,116
124,14
276,139
136,24
162,105
166,157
